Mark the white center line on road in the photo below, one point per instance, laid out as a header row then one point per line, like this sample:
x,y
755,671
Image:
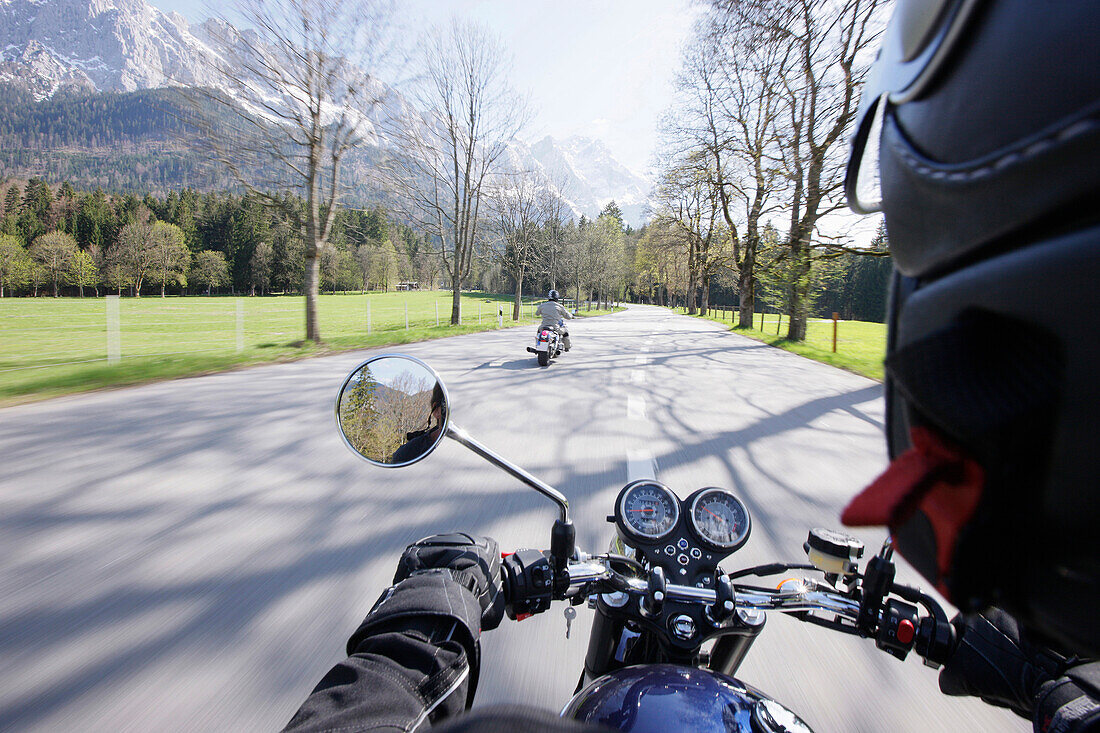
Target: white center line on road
x,y
640,465
635,407
637,376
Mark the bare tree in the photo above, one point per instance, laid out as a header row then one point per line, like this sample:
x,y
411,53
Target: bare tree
x,y
295,92
550,253
260,268
445,160
519,212
831,40
582,257
366,254
732,77
688,201
658,265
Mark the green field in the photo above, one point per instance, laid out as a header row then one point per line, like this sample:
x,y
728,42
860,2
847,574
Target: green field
x,y
52,346
860,345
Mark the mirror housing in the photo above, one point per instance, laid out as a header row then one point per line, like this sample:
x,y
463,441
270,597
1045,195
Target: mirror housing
x,y
393,410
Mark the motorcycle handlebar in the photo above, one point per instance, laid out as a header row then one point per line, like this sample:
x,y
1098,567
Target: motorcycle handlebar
x,y
897,627
582,574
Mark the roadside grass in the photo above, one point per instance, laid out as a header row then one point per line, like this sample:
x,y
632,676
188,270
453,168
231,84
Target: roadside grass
x,y
860,345
56,346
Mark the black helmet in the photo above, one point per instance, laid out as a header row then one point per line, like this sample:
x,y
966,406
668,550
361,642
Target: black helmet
x,y
986,119
552,295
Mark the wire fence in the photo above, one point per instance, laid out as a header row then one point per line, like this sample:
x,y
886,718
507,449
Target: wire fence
x,y
61,345
43,334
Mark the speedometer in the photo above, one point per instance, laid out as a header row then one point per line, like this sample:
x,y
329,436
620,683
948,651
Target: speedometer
x,y
720,519
649,510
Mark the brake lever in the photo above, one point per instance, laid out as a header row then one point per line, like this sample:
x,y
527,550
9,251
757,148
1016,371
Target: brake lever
x,y
878,579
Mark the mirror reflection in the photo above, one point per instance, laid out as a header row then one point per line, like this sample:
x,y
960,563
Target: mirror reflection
x,y
392,410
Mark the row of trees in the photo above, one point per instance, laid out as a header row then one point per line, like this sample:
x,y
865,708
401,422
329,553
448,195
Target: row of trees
x,y
529,243
187,239
768,92
147,252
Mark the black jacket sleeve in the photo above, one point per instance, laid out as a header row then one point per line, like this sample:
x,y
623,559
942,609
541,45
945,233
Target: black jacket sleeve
x,y
414,659
1071,703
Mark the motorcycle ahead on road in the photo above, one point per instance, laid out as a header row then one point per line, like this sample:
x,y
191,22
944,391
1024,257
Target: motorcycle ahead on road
x,y
548,344
671,628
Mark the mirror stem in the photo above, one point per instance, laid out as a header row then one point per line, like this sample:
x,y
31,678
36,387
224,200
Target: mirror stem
x,y
456,433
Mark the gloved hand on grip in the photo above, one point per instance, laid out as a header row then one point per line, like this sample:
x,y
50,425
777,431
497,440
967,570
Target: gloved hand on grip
x,y
994,663
472,560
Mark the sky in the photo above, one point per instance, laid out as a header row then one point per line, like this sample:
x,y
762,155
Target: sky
x,y
598,68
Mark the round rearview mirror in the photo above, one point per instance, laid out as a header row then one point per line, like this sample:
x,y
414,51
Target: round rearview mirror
x,y
392,410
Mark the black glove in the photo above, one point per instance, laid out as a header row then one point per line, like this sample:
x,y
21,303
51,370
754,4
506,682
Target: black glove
x,y
472,560
994,663
1071,703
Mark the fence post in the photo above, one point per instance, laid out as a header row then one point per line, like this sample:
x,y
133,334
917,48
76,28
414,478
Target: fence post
x,y
778,321
500,316
114,337
240,325
368,316
835,316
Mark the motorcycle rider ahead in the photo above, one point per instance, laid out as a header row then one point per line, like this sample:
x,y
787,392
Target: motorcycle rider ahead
x,y
553,313
986,118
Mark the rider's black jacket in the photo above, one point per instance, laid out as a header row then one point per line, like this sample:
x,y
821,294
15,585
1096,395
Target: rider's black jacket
x,y
415,660
414,448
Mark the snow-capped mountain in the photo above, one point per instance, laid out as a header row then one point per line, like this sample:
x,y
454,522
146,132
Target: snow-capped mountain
x,y
88,46
101,45
588,176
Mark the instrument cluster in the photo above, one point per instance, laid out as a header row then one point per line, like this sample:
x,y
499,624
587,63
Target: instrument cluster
x,y
688,538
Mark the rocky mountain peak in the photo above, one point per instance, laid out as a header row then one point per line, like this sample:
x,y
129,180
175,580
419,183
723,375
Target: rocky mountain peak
x,y
126,45
115,45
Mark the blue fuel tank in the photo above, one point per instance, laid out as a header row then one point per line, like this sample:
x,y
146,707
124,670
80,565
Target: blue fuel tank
x,y
657,698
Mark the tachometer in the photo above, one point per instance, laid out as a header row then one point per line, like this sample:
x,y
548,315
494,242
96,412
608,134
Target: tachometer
x,y
720,519
649,510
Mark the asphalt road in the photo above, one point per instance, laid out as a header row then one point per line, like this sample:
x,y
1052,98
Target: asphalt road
x,y
191,555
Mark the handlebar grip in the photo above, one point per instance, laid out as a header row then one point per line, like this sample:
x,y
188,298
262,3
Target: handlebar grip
x,y
936,640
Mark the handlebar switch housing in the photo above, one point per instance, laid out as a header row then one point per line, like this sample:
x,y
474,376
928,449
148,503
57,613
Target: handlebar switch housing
x,y
878,579
898,629
656,590
725,602
528,583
